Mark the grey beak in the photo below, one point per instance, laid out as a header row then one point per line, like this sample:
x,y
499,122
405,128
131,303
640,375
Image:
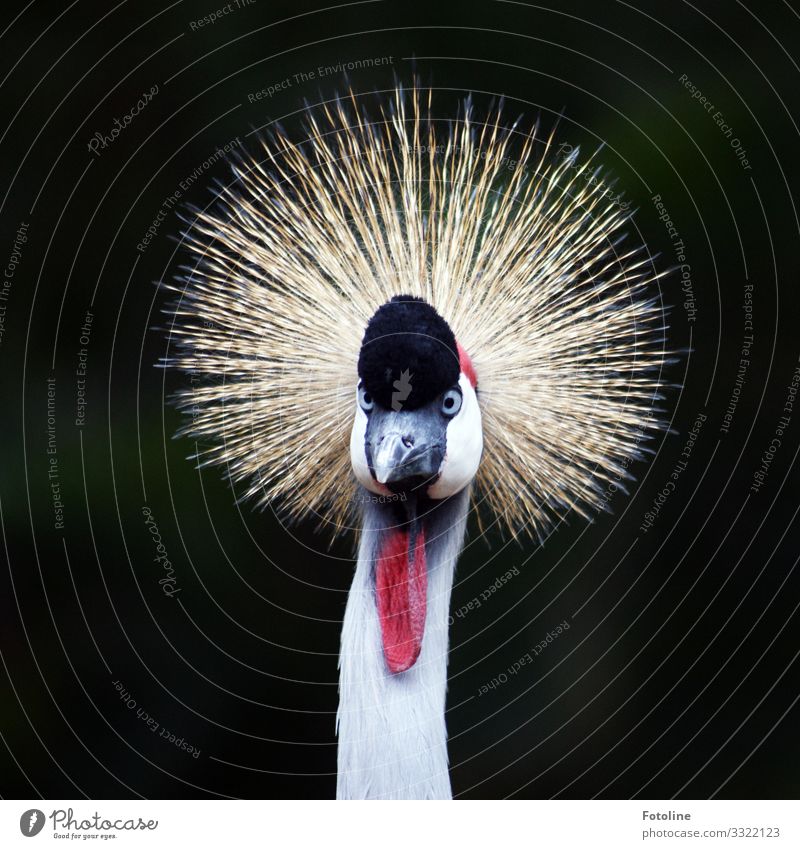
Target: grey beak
x,y
396,458
405,449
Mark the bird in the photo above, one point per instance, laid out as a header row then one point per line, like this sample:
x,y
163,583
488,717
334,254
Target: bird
x,y
395,319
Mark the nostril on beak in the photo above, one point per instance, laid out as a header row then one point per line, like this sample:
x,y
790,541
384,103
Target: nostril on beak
x,y
396,457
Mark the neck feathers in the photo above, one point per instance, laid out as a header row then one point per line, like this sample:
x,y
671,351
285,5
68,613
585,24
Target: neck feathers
x,y
391,726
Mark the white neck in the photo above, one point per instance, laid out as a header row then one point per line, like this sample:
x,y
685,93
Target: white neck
x,y
391,727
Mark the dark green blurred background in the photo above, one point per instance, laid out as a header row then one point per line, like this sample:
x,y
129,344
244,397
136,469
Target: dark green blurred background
x,y
678,673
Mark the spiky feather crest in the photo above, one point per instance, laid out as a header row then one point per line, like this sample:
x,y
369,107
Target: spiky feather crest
x,y
513,245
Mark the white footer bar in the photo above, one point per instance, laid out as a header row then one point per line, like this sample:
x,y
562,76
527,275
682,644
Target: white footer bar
x,y
405,825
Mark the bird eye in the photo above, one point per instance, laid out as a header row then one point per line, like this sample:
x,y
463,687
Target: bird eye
x,y
365,400
451,402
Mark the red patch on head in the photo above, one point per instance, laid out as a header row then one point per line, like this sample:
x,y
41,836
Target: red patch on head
x,y
467,369
401,584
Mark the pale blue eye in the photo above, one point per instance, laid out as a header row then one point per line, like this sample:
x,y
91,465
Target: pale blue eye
x,y
451,402
365,400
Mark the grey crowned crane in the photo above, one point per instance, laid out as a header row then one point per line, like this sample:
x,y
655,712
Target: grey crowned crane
x,y
455,302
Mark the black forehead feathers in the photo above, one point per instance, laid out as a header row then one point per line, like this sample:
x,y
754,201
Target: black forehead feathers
x,y
409,344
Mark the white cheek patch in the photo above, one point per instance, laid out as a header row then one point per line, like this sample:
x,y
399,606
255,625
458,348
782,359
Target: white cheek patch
x,y
358,454
464,446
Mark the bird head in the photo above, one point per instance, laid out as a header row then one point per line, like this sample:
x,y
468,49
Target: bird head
x,y
526,266
417,425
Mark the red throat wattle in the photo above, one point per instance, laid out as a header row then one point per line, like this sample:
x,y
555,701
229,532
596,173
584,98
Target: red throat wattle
x,y
401,583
